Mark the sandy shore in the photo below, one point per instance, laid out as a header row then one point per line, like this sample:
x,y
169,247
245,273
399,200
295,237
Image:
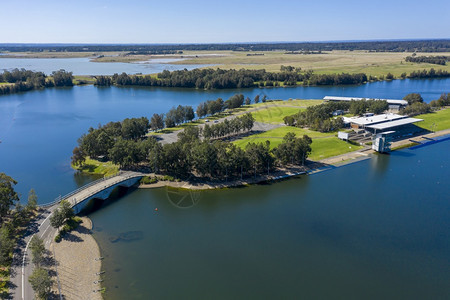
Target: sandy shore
x,y
78,264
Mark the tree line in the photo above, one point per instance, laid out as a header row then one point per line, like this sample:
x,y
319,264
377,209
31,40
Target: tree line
x,y
25,80
416,106
229,127
227,79
379,46
437,60
432,73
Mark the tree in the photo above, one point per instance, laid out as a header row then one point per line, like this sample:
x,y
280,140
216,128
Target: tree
x,y
7,194
57,219
79,156
62,78
248,101
37,250
66,209
41,282
157,122
6,245
256,100
413,98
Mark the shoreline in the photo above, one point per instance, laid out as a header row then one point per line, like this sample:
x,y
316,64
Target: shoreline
x,y
312,167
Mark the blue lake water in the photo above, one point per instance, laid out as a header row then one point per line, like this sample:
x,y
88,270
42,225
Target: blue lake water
x,y
39,129
375,229
84,66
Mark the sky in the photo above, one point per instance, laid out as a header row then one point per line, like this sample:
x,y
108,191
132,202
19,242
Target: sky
x,y
226,21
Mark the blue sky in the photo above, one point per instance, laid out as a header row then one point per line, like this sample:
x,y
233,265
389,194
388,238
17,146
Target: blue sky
x,y
200,21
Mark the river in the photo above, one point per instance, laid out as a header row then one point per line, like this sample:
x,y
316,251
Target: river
x,y
378,228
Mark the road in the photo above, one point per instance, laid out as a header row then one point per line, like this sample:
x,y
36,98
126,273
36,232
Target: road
x,y
22,267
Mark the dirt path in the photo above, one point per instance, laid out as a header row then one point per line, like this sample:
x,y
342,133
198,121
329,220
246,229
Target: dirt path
x,y
77,257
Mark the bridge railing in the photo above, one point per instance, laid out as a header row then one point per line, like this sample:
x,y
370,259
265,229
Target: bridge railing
x,y
60,198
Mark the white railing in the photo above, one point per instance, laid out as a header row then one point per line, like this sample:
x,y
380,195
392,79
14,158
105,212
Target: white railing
x,y
60,198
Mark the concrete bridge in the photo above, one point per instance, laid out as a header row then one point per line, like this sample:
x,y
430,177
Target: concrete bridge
x,y
99,189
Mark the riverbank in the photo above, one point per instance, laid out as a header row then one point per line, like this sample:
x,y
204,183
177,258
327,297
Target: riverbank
x,y
78,263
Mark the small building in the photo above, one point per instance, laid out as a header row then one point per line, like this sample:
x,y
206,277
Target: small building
x,y
338,112
381,142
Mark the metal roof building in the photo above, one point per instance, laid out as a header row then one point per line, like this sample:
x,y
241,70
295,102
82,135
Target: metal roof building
x,y
389,101
395,123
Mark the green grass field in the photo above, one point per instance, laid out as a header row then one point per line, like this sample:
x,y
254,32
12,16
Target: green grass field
x,y
440,119
93,166
274,115
328,147
324,145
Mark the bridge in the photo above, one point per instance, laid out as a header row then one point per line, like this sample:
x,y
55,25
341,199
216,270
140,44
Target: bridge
x,y
99,189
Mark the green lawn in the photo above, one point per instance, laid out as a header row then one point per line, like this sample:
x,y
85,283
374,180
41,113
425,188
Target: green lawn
x,y
324,145
328,147
274,114
441,119
93,166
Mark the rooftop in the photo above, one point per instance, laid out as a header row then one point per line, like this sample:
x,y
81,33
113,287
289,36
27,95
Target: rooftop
x,y
389,101
364,121
392,124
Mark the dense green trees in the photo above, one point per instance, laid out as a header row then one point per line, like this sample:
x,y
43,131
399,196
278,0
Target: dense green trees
x,y
62,78
61,214
413,98
226,79
229,127
8,196
363,106
432,73
444,100
318,117
180,114
157,122
437,60
293,150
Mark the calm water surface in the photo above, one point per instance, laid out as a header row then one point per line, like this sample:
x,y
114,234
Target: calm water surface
x,y
83,66
39,129
378,229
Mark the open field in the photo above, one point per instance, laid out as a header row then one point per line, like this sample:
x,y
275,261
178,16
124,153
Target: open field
x,y
435,121
329,147
274,115
371,63
93,166
324,145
